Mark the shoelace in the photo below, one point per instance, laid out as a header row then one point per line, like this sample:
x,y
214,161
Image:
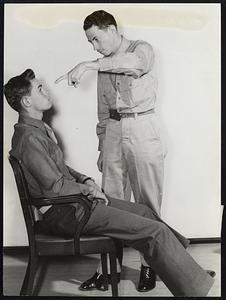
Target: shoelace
x,y
147,272
98,276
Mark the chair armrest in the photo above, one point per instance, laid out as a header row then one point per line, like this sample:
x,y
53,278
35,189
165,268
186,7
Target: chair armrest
x,y
76,198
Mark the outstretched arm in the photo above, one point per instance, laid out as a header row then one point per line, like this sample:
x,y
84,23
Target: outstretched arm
x,y
133,64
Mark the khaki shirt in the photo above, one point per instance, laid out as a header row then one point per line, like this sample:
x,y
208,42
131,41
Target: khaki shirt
x,y
125,82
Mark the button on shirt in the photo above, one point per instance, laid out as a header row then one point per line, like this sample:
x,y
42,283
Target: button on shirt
x,y
126,82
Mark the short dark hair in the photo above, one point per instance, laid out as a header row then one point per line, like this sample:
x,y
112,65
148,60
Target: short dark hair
x,y
17,87
99,18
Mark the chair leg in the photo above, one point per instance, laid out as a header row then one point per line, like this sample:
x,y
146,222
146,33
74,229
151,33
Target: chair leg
x,y
27,286
40,275
113,268
119,251
104,270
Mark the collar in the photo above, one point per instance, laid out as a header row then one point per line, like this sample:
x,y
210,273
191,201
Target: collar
x,y
123,46
31,122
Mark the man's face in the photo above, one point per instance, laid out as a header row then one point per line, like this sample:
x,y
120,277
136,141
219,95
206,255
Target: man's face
x,y
102,39
39,96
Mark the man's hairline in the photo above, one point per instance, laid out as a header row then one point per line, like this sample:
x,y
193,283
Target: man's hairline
x,y
101,28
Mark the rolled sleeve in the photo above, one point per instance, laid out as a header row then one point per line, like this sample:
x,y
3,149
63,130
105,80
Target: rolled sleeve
x,y
78,176
105,63
140,60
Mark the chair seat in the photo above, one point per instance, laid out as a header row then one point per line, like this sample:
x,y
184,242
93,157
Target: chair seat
x,y
54,245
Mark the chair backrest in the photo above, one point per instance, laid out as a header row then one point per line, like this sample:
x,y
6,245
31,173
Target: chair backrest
x,y
24,197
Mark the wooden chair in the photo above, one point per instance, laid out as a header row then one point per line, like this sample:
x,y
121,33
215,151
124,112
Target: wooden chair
x,y
44,245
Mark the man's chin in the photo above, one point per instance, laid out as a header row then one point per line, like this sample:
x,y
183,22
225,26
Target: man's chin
x,y
105,53
50,106
49,113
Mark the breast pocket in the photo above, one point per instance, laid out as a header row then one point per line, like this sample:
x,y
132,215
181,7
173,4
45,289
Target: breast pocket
x,y
137,90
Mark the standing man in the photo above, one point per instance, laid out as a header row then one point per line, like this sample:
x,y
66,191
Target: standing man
x,y
129,140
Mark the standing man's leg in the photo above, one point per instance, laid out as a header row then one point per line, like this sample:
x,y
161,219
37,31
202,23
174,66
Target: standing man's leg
x,y
132,146
128,190
114,174
145,161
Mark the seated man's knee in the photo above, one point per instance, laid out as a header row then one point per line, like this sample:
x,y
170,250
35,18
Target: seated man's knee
x,y
145,211
163,230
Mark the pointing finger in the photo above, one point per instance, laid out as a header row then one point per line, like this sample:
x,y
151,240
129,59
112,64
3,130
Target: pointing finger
x,y
63,77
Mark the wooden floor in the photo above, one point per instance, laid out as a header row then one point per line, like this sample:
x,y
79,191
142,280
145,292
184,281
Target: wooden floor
x,y
64,275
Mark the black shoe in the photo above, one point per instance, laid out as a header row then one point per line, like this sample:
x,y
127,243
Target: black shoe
x,y
147,280
96,282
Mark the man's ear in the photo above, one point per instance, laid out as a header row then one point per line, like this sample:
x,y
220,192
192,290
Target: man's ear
x,y
26,101
112,28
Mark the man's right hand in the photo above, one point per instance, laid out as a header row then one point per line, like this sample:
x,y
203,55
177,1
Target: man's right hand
x,y
88,190
91,192
74,75
100,161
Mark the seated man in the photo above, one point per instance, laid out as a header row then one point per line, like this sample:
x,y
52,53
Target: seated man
x,y
135,225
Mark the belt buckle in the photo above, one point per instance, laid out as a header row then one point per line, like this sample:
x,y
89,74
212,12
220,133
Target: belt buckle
x,y
115,115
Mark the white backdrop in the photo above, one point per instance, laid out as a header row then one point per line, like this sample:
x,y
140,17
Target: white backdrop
x,y
186,39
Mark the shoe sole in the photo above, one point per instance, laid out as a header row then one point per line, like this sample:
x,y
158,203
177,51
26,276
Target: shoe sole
x,y
92,288
143,291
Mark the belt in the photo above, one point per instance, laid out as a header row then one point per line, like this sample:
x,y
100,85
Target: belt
x,y
118,116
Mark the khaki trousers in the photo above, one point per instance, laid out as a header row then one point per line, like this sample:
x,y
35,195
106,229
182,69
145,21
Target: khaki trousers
x,y
133,149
